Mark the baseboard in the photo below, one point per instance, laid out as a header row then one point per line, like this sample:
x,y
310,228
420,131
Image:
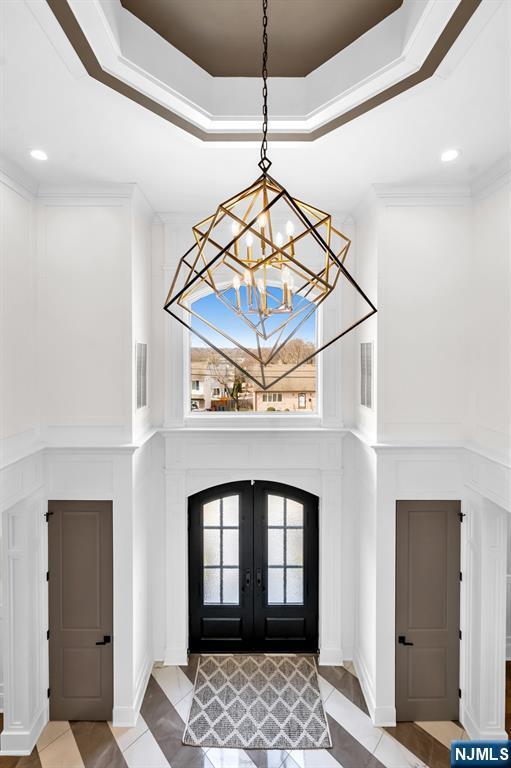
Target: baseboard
x,y
365,683
175,657
141,685
384,717
479,734
330,657
20,742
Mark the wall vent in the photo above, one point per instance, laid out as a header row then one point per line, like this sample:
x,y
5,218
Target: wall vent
x,y
141,362
366,374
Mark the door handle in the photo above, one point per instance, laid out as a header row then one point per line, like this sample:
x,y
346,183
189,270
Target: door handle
x,y
403,641
259,578
248,578
105,641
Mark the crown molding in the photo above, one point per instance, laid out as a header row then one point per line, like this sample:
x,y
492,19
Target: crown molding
x,y
423,195
123,191
17,179
402,51
492,179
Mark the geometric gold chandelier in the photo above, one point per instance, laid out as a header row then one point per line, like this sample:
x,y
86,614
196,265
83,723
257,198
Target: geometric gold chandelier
x,y
258,270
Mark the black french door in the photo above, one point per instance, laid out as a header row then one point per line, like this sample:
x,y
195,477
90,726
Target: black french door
x,y
253,569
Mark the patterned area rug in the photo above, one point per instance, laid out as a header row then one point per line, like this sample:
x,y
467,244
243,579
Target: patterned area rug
x,y
257,702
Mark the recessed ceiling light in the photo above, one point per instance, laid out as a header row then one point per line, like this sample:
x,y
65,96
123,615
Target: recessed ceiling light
x,y
38,154
449,155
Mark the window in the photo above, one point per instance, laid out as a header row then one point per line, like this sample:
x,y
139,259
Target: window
x,y
272,397
220,527
366,374
285,551
224,388
302,400
141,365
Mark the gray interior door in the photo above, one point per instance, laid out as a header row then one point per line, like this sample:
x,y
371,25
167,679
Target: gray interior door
x,y
80,610
427,610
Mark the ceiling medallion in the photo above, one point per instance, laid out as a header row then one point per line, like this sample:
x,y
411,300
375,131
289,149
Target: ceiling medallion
x,y
258,271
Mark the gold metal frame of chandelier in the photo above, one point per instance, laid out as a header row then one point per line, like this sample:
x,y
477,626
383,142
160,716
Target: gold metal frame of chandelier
x,y
199,272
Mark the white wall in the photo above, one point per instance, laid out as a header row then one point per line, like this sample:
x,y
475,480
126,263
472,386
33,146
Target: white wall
x,y
364,652
484,610
141,288
366,245
84,318
19,394
489,329
424,271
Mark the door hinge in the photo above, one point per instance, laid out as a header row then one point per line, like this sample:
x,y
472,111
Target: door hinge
x,y
47,634
461,515
460,634
47,515
459,693
47,575
48,692
461,576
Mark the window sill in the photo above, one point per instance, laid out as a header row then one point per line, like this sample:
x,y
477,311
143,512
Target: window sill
x,y
251,422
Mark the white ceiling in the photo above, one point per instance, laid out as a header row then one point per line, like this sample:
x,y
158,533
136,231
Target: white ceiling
x,y
93,135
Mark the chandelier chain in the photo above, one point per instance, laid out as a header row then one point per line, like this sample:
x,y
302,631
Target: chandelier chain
x,y
265,163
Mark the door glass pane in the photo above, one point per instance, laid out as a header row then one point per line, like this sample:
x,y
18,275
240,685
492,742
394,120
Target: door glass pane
x,y
294,585
230,546
211,512
275,546
230,509
294,512
221,549
211,546
285,549
294,546
231,585
275,510
211,585
275,585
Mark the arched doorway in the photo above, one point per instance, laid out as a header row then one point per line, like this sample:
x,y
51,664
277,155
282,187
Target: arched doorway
x,y
253,569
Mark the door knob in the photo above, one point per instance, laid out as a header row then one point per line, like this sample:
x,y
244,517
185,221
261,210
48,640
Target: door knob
x,y
403,641
248,577
105,641
259,578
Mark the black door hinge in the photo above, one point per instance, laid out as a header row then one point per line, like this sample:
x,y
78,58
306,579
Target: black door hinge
x,y
47,634
461,576
47,515
461,515
459,693
47,575
48,692
460,634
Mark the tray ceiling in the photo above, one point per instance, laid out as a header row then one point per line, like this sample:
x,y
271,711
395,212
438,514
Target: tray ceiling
x,y
224,36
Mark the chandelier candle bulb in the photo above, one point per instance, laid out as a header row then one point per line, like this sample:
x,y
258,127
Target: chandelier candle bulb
x,y
262,292
290,230
262,222
236,286
250,242
247,279
235,229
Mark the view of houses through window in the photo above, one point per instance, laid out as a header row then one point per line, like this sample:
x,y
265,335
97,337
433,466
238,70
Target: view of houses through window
x,y
216,385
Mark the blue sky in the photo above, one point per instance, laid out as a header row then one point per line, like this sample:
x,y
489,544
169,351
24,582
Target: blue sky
x,y
219,315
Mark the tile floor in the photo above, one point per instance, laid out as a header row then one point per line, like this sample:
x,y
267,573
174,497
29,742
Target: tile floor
x,y
155,741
